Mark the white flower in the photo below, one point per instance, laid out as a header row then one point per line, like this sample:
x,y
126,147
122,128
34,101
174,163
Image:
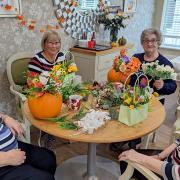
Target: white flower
x,y
110,16
174,76
93,120
45,73
43,79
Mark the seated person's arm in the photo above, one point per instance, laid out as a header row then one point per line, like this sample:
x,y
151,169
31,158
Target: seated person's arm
x,y
13,125
149,162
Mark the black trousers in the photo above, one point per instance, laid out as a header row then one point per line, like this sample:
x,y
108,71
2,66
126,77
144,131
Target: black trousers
x,y
40,164
137,174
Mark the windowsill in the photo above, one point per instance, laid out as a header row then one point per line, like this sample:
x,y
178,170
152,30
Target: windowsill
x,y
169,47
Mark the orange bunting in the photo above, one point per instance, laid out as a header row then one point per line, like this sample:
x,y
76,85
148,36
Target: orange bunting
x,y
42,30
31,27
8,7
20,17
22,23
61,19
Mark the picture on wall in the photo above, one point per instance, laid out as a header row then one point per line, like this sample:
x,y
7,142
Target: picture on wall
x,y
10,8
130,6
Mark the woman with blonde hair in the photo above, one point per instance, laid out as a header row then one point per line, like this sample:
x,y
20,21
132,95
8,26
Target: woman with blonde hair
x,y
50,54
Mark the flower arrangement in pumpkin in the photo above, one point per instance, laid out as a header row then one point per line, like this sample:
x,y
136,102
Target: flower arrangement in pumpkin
x,y
123,66
156,71
49,81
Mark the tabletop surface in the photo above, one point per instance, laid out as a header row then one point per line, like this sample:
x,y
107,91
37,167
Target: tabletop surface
x,y
96,53
113,131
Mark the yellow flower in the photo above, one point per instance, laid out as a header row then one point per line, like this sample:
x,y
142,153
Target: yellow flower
x,y
62,71
128,100
72,69
56,67
155,94
131,107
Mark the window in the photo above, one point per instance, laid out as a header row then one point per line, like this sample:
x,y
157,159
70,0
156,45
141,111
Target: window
x,y
170,25
88,4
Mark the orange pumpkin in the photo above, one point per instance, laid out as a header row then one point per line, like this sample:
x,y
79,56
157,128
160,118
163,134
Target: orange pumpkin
x,y
114,76
46,106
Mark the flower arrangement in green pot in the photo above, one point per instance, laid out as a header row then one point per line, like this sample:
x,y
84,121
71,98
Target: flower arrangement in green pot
x,y
134,107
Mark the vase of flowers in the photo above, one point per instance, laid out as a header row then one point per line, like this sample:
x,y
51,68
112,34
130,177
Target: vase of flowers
x,y
44,90
113,35
112,22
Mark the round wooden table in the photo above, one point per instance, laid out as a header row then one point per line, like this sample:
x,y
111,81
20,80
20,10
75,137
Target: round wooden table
x,y
113,131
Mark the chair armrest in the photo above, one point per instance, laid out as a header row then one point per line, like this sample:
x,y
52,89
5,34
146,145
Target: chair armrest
x,y
18,94
143,170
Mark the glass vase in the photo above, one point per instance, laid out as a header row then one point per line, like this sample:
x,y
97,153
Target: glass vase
x,y
113,35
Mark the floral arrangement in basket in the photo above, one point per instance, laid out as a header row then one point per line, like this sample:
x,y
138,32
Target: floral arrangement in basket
x,y
107,94
49,81
122,67
156,71
134,107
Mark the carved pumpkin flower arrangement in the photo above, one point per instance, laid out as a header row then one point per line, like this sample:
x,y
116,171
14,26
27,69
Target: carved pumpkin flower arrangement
x,y
123,66
44,90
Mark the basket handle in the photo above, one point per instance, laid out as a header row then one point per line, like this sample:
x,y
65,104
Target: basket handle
x,y
128,78
71,56
137,82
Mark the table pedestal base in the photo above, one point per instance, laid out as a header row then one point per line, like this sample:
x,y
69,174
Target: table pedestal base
x,y
76,168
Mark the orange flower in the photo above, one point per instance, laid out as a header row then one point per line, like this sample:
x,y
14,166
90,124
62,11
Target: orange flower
x,y
123,52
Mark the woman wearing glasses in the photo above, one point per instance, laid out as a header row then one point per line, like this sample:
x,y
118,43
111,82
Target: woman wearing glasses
x,y
50,54
151,40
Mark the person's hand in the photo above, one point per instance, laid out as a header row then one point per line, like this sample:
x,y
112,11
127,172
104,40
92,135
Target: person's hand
x,y
158,84
14,126
15,157
131,155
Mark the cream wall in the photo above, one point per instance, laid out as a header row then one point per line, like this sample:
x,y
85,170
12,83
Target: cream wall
x,y
13,39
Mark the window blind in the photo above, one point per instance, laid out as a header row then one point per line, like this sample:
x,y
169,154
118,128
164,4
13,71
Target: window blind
x,y
170,25
88,4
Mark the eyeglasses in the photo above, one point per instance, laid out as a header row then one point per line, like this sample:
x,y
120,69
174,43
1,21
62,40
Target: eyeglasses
x,y
147,41
54,43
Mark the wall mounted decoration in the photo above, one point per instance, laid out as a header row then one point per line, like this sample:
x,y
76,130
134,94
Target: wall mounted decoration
x,y
72,20
130,6
10,8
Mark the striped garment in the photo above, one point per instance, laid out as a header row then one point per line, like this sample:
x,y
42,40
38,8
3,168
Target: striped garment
x,y
39,63
171,166
7,139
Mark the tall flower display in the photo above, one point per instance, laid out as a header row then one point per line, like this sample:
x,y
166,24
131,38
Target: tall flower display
x,y
44,90
112,22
